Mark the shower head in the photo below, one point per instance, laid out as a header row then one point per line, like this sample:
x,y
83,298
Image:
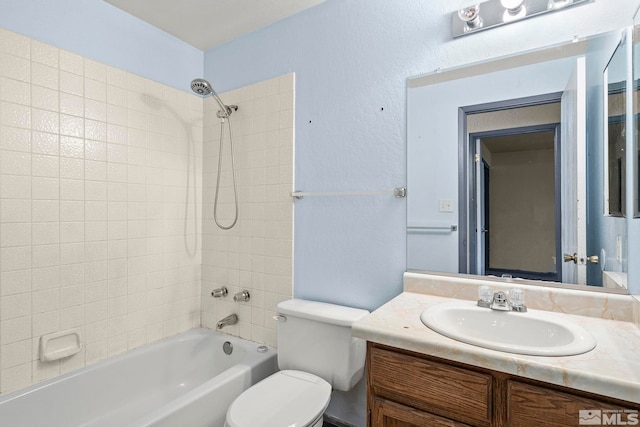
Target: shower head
x,y
201,87
204,88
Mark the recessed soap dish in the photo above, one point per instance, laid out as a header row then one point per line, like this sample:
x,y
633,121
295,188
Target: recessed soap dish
x,y
58,345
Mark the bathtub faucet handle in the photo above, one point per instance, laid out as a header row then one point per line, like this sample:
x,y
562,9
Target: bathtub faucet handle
x,y
242,296
220,292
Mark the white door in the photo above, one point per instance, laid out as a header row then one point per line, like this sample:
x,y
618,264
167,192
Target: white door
x,y
573,176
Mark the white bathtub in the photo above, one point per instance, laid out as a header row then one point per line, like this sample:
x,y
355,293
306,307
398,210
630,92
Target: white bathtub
x,y
182,381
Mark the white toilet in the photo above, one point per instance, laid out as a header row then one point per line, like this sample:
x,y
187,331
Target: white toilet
x,y
316,353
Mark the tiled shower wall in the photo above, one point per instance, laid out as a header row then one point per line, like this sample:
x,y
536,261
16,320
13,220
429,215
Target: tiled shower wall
x,y
255,255
100,208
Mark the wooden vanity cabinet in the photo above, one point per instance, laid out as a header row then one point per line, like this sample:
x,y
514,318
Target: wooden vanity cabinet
x,y
407,389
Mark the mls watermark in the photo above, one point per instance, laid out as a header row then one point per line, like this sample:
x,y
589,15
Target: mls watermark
x,y
608,417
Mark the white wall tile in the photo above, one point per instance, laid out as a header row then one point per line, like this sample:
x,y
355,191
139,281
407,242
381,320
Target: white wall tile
x,y
257,254
75,225
15,139
71,62
15,67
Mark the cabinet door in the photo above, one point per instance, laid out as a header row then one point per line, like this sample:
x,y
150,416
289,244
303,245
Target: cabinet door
x,y
529,405
433,387
391,414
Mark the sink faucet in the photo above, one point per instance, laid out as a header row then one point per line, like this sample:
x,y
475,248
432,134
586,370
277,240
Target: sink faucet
x,y
231,319
500,301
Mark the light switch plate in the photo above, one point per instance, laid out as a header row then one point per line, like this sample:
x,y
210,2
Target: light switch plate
x,y
446,205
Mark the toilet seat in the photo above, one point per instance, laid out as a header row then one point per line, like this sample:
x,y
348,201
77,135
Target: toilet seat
x,y
286,398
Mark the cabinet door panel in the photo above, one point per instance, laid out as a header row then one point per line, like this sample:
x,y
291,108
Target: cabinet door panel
x,y
437,388
529,405
391,414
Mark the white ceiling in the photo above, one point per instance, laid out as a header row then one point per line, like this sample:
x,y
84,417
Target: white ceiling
x,y
207,23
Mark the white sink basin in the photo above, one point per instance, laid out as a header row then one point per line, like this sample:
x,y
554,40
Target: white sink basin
x,y
536,333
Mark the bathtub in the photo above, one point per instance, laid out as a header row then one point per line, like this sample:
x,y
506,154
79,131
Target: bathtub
x,y
182,381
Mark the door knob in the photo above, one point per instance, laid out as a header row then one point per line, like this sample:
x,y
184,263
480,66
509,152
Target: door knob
x,y
593,258
568,258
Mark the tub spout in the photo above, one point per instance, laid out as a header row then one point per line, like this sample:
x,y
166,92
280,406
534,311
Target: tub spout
x,y
232,319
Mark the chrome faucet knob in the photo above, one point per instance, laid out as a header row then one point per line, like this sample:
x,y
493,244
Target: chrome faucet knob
x,y
220,292
242,296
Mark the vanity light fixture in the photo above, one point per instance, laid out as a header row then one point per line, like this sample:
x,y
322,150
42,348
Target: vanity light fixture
x,y
494,13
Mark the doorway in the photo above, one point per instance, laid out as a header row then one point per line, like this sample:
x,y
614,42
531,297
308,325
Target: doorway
x,y
512,221
518,223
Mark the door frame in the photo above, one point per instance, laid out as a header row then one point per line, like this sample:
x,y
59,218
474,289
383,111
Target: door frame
x,y
467,212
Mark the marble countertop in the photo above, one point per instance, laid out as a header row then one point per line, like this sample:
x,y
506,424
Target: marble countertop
x,y
611,369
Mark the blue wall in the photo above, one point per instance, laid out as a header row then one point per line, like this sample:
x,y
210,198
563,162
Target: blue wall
x,y
351,59
97,30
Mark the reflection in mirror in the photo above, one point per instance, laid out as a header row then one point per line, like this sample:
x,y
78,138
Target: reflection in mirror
x,y
636,120
615,78
514,191
506,164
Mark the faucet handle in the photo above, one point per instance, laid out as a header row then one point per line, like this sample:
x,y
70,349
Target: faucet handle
x,y
485,296
220,292
516,297
243,296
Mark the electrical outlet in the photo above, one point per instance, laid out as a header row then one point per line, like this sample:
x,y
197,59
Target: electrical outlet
x,y
446,205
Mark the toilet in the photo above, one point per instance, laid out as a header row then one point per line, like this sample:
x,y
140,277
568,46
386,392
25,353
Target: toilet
x,y
316,353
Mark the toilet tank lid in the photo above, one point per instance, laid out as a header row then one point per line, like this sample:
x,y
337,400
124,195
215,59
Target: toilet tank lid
x,y
321,311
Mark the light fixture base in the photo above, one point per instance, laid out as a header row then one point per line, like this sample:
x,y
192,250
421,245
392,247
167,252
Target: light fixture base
x,y
495,13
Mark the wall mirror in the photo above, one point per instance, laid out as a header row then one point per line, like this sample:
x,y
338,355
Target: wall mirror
x,y
636,120
514,166
615,75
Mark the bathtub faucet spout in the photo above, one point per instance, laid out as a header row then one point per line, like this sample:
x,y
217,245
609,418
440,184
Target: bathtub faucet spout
x,y
232,319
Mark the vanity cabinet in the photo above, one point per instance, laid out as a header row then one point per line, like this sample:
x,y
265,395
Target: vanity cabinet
x,y
407,389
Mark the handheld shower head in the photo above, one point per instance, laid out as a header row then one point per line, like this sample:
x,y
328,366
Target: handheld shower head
x,y
204,88
201,87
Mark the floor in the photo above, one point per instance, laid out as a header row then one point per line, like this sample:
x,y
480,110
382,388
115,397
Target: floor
x,y
333,423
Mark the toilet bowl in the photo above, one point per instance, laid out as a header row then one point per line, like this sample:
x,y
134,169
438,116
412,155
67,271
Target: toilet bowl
x,y
316,353
287,398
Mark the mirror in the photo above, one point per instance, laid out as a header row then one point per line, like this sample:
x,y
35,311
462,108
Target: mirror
x,y
636,120
615,137
506,166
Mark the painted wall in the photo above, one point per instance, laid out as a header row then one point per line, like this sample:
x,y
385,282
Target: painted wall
x,y
100,31
351,60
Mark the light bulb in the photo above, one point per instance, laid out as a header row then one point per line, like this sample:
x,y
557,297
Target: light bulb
x,y
471,16
512,5
557,4
514,9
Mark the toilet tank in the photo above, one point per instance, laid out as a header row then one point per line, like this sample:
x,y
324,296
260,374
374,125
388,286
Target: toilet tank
x,y
316,337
